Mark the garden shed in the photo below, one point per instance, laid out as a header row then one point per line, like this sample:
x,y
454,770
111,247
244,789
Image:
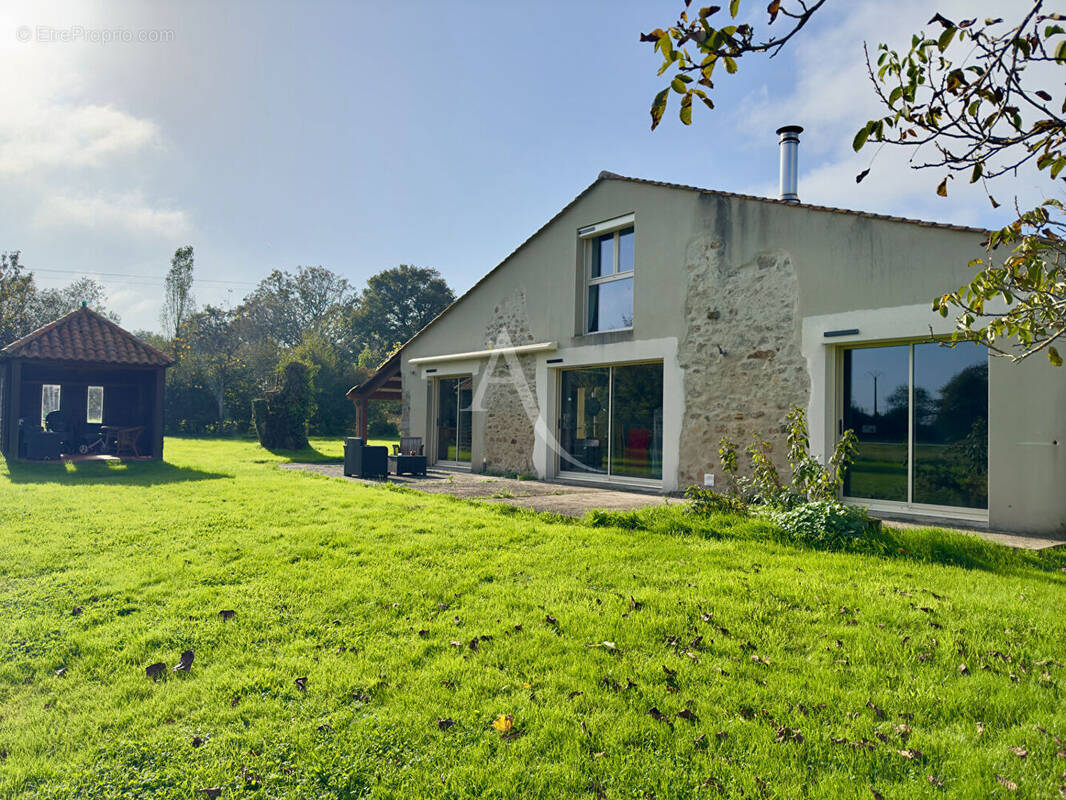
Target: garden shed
x,y
107,385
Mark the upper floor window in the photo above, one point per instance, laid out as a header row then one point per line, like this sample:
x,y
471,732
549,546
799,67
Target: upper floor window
x,y
610,263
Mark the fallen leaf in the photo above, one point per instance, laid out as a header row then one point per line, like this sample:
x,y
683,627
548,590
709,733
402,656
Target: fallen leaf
x,y
155,671
325,727
504,723
185,662
963,669
687,715
939,784
788,735
444,724
551,620
227,613
635,604
423,633
214,791
1021,752
910,753
473,643
877,711
658,715
877,795
1009,784
59,673
301,684
197,741
980,728
572,695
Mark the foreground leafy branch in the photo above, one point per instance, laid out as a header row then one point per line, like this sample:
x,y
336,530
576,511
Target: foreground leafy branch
x,y
981,100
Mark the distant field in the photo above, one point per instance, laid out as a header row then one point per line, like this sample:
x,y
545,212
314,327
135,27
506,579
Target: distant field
x,y
643,656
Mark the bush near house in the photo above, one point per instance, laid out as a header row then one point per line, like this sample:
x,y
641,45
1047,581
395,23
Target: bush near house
x,y
807,508
379,634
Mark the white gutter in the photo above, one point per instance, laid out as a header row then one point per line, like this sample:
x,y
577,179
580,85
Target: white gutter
x,y
541,347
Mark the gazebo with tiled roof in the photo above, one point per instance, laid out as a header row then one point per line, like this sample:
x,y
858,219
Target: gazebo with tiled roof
x,y
72,365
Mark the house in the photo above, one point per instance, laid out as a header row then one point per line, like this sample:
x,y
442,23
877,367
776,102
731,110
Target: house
x,y
90,369
646,320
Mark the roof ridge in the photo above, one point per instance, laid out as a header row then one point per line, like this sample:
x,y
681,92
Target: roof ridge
x,y
614,176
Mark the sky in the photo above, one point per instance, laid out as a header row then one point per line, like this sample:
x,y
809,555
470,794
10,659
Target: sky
x,y
359,136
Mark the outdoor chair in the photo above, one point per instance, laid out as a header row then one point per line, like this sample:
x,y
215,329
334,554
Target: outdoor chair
x,y
364,461
408,446
126,441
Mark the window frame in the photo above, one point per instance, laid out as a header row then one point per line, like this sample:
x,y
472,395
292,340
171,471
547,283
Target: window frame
x,y
590,237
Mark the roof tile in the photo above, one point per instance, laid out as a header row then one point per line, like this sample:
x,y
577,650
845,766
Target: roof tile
x,y
84,335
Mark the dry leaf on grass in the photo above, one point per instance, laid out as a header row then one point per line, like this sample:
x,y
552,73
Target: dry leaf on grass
x,y
504,723
227,613
185,662
1009,784
155,671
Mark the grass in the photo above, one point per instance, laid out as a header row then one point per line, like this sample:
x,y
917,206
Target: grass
x,y
806,673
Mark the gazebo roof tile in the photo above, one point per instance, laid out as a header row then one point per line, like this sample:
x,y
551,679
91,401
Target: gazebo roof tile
x,y
85,335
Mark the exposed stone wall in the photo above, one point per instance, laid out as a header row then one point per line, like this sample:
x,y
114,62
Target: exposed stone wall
x,y
741,356
508,444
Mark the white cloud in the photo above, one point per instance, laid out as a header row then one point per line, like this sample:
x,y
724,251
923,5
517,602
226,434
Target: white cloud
x,y
128,213
50,135
831,96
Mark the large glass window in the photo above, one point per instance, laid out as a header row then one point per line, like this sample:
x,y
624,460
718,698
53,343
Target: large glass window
x,y
94,405
611,421
50,398
454,418
610,262
921,416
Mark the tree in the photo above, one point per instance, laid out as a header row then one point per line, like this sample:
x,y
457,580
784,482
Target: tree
x,y
975,100
215,345
284,305
47,305
396,304
178,300
16,291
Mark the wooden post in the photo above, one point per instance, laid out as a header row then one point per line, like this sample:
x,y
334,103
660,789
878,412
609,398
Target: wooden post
x,y
14,408
160,386
364,409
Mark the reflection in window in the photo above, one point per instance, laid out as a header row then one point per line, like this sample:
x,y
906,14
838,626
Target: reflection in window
x,y
939,418
454,418
610,261
50,398
951,425
611,421
876,383
94,405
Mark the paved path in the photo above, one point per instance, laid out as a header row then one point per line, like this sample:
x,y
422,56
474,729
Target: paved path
x,y
574,501
557,498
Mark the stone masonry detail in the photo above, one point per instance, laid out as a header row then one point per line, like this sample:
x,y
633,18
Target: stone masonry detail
x,y
508,429
740,356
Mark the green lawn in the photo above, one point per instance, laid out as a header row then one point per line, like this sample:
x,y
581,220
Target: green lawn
x,y
740,666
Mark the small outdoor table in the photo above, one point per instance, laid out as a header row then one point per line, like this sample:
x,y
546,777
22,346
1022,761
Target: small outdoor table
x,y
407,465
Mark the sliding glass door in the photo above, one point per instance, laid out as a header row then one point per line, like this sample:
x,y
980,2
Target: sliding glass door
x,y
920,412
611,421
454,398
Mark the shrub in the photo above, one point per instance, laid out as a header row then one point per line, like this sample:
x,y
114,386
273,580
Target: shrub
x,y
703,502
827,524
281,417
